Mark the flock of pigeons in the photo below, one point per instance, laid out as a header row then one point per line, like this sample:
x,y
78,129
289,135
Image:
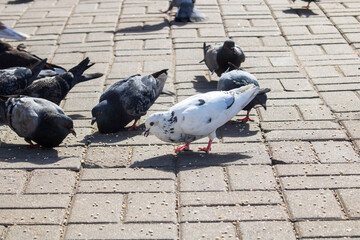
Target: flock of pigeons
x,y
31,90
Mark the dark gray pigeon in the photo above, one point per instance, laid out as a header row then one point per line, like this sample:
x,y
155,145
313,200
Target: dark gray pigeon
x,y
56,88
127,100
308,1
223,57
239,78
188,13
38,120
14,80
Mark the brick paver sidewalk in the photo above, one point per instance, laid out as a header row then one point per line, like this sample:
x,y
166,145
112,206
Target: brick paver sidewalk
x,y
294,173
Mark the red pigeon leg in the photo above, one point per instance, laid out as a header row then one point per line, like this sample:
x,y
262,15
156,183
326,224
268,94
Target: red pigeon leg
x,y
247,118
133,127
208,148
183,148
307,6
34,146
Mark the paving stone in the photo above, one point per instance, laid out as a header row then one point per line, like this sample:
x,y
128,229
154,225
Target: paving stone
x,y
149,207
322,71
110,156
317,169
313,204
31,216
34,232
121,231
307,50
279,114
353,128
296,85
268,126
153,156
51,181
229,198
316,112
202,179
342,101
320,182
328,228
306,135
292,152
266,230
34,201
262,177
229,213
344,152
96,208
348,198
207,231
13,181
124,186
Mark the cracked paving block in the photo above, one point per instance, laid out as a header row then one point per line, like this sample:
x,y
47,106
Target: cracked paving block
x,y
151,207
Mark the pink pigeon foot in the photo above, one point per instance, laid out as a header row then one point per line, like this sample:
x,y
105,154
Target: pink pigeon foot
x,y
247,118
183,148
133,127
208,148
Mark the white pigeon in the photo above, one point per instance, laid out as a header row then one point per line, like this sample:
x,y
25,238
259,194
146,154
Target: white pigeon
x,y
6,32
199,116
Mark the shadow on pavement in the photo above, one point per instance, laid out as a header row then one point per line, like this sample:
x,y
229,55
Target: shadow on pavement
x,y
18,2
145,28
301,12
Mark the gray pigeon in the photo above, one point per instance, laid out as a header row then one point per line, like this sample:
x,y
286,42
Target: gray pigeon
x,y
222,57
14,80
56,88
199,116
238,78
173,3
188,13
127,100
6,32
38,120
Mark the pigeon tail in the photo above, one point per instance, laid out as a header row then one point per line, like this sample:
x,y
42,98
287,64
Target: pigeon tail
x,y
36,69
79,69
161,77
90,76
157,74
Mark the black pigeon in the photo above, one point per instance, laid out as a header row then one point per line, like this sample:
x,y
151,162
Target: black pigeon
x,y
223,57
14,80
38,120
6,32
238,78
18,57
56,88
188,13
308,1
127,100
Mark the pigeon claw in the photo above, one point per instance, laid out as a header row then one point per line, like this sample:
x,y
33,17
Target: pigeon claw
x,y
208,148
183,148
133,127
245,119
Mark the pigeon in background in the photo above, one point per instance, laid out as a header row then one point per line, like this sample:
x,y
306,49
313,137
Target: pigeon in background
x,y
199,116
173,3
6,32
238,78
18,57
38,120
188,13
308,1
14,80
223,57
127,100
56,88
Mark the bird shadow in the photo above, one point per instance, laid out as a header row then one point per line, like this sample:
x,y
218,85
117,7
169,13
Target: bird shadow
x,y
191,160
202,85
300,12
18,2
235,129
145,28
77,116
14,153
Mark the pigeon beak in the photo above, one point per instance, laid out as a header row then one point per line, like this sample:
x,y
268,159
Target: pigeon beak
x,y
93,120
263,105
73,131
146,133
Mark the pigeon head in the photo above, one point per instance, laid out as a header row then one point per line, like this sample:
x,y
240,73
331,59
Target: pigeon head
x,y
229,44
68,125
152,123
106,115
261,97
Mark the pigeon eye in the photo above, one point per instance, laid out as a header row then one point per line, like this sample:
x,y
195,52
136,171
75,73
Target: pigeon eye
x,y
152,124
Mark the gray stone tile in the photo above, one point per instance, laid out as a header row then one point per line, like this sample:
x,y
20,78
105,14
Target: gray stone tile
x,y
328,228
335,152
313,204
34,232
31,216
262,177
317,169
207,231
349,198
266,230
34,201
13,181
151,207
293,152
